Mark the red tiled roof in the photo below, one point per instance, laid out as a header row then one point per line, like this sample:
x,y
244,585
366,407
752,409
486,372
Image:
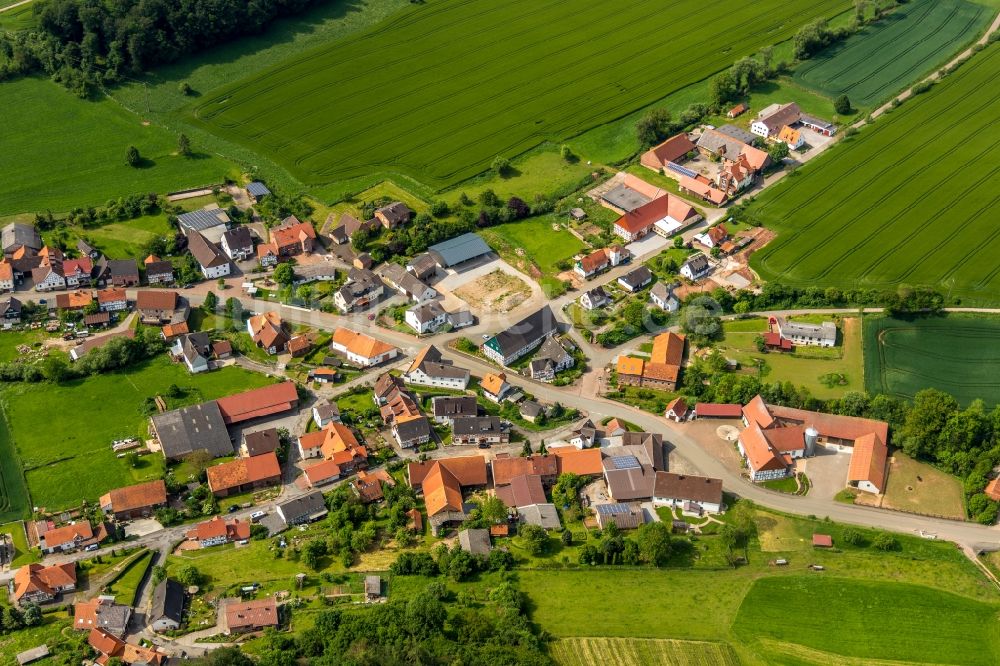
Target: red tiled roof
x,y
594,261
244,470
255,403
157,299
718,410
328,469
671,150
868,461
68,533
139,496
505,469
758,452
257,613
646,215
469,470
678,406
756,412
993,489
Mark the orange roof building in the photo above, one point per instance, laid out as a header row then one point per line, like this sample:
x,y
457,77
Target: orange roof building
x,y
171,331
259,402
335,442
112,647
506,468
763,462
993,489
361,349
268,332
673,149
135,501
639,222
293,237
868,464
241,616
67,537
582,462
442,481
494,385
321,473
38,584
244,474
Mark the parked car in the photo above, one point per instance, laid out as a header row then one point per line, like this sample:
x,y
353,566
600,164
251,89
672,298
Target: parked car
x,y
257,515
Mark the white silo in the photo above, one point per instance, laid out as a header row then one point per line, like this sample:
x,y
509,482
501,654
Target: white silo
x,y
812,436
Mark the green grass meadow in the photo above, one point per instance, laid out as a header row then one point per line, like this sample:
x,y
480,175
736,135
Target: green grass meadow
x,y
640,652
957,354
907,202
885,57
62,433
58,152
871,619
537,241
506,77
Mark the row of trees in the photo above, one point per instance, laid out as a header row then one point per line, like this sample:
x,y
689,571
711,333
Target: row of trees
x,y
87,43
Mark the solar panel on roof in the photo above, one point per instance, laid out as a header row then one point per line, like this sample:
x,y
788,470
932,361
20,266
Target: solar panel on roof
x,y
684,171
625,462
612,509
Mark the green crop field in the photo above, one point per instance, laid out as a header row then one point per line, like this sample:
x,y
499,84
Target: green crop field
x,y
640,652
956,354
885,57
63,433
14,503
58,151
441,88
18,18
911,200
871,619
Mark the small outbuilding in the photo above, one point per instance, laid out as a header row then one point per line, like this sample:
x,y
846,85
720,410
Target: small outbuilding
x,y
822,541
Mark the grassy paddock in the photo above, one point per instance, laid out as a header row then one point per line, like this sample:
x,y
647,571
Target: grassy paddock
x,y
42,121
540,84
918,487
835,615
640,652
958,354
913,204
534,240
70,459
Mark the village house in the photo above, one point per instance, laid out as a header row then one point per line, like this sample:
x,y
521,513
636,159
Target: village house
x,y
74,300
335,442
635,279
526,494
530,410
123,273
361,289
302,509
246,616
259,442
346,227
713,236
662,369
293,237
446,408
386,386
102,613
213,262
112,300
368,485
6,276
423,266
361,350
218,531
693,495
772,118
10,311
494,387
158,307
394,215
696,267
677,410
668,215
595,298
429,368
601,260
482,431
111,647
237,243
244,474
426,317
194,349
34,583
77,272
803,333
506,468
167,607
268,332
550,359
411,430
158,271
322,473
509,345
791,137
136,501
73,536
407,284
663,297
442,483
267,255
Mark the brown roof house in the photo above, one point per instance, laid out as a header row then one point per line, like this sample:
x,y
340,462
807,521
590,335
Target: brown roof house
x,y
135,501
244,474
39,584
156,306
393,215
293,237
244,616
675,149
268,332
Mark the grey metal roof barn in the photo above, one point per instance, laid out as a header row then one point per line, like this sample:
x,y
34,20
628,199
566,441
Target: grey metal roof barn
x,y
200,220
195,428
258,189
459,249
625,198
15,234
737,133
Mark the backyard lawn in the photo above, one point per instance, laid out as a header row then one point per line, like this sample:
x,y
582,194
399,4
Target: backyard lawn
x,y
920,488
125,587
536,241
20,540
70,459
827,373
